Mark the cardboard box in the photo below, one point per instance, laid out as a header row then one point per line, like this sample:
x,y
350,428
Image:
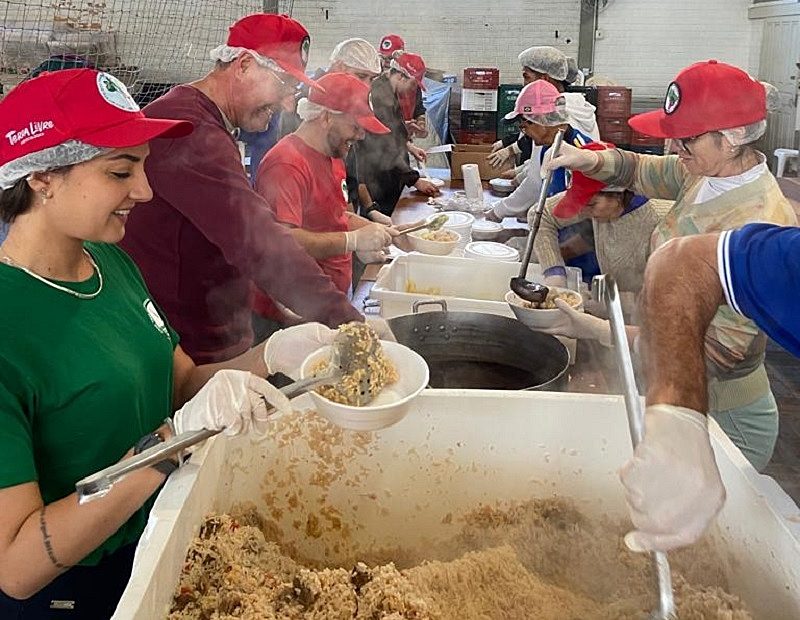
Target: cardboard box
x,y
474,154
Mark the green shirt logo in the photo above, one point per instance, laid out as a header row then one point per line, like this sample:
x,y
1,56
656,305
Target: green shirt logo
x,y
155,317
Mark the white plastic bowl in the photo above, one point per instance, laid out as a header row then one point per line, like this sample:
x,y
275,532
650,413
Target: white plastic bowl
x,y
486,230
491,250
428,246
535,318
501,186
390,406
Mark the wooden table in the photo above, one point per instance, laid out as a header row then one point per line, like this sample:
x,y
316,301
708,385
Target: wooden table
x,y
594,370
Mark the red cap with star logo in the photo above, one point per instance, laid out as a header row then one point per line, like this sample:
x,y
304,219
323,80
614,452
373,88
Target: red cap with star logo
x,y
278,37
390,44
706,96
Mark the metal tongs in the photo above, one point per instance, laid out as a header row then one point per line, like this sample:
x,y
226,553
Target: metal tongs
x,y
348,355
606,290
525,289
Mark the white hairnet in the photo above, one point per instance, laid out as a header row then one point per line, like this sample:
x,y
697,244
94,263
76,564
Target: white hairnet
x,y
357,54
309,111
545,59
574,75
739,136
65,154
226,53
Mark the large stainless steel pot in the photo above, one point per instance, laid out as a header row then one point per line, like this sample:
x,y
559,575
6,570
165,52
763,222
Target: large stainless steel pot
x,y
476,350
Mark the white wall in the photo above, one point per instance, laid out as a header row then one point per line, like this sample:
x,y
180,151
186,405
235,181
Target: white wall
x,y
449,34
646,42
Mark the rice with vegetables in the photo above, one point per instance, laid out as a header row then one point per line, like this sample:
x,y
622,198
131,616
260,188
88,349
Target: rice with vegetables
x,y
443,236
570,297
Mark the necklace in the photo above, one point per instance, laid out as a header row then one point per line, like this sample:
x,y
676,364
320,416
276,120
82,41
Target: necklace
x,y
12,263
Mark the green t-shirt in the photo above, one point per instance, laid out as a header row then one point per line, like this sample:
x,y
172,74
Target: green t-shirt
x,y
81,380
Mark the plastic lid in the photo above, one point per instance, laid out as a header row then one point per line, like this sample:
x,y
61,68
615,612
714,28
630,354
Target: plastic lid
x,y
487,226
491,250
457,218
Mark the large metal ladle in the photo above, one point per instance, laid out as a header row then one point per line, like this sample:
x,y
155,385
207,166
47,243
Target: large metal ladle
x,y
605,289
527,290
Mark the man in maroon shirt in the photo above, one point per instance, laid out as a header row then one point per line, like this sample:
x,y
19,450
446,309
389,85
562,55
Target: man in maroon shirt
x,y
207,234
303,180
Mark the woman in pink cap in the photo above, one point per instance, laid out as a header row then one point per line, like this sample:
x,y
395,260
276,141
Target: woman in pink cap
x,y
90,371
714,113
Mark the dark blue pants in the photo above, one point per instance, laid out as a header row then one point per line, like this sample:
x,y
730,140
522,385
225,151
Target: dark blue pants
x,y
83,592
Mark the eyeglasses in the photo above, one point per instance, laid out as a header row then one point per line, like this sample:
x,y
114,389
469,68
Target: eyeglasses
x,y
287,86
684,143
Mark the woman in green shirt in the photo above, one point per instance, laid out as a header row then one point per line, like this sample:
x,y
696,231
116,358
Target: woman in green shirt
x,y
89,368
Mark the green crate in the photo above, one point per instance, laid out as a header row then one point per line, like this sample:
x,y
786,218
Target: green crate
x,y
506,97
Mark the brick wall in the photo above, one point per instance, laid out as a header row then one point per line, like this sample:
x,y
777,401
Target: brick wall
x,y
646,42
449,34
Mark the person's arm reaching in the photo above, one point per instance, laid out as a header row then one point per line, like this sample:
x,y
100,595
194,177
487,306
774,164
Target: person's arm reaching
x,y
672,484
237,220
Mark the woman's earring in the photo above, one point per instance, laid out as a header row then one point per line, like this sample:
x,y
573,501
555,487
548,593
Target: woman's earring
x,y
45,196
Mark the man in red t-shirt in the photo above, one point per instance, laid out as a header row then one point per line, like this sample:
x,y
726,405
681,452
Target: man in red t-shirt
x,y
303,181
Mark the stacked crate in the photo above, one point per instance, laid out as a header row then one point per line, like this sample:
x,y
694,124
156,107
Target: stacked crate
x,y
479,105
506,98
613,112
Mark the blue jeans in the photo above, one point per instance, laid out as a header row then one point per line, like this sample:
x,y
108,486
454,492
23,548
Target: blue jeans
x,y
753,429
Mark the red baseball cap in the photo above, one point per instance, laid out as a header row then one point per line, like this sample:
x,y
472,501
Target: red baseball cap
x,y
413,66
391,43
346,93
277,37
582,188
706,96
76,104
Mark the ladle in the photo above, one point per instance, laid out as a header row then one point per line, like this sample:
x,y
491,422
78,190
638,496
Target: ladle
x,y
606,290
525,289
348,355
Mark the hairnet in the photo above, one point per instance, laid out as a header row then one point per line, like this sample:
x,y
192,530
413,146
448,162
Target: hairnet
x,y
309,111
226,53
739,136
545,59
357,54
574,75
65,154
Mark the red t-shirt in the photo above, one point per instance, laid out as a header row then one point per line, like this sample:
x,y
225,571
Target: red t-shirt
x,y
207,235
305,189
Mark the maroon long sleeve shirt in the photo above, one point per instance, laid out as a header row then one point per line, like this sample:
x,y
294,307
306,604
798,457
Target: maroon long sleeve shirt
x,y
206,235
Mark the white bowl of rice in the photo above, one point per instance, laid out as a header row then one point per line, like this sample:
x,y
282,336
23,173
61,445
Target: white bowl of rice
x,y
549,314
390,405
437,242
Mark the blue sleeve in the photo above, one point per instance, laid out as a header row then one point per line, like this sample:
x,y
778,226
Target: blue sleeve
x,y
759,268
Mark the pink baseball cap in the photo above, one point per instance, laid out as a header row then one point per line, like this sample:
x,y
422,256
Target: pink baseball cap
x,y
278,37
539,99
412,65
76,104
346,93
391,43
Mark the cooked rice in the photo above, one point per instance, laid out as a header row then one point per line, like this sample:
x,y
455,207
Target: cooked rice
x,y
573,299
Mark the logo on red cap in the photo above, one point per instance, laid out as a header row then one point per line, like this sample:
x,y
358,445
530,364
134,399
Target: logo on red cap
x,y
386,44
115,93
304,47
673,98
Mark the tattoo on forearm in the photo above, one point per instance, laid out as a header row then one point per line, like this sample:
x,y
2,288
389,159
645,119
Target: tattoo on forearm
x,y
47,544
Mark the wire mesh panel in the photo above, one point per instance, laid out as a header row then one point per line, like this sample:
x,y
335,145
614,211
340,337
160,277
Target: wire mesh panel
x,y
148,44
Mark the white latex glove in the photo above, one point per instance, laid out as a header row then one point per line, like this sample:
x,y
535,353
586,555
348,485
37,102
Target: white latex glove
x,y
498,158
497,146
574,324
234,400
373,256
672,484
491,215
286,349
368,238
380,218
381,328
569,157
560,281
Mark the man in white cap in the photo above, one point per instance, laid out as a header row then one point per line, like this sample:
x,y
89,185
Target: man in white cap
x,y
302,180
544,62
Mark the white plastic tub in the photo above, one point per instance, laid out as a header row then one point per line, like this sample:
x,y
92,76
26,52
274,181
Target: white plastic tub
x,y
468,285
488,447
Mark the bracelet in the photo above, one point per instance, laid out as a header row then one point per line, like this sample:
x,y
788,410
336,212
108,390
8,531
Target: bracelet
x,y
373,207
167,466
